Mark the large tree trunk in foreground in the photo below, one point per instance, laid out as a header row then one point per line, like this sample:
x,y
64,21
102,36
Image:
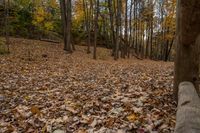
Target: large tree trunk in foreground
x,y
188,114
187,39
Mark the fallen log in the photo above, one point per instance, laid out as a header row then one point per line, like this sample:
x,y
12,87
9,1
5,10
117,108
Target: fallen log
x,y
48,40
137,57
188,113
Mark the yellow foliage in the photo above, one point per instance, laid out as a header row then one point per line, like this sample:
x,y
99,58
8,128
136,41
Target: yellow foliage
x,y
53,3
43,17
79,14
48,25
39,15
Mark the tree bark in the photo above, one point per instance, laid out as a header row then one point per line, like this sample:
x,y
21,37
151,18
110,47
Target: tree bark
x,y
7,4
96,29
147,41
126,28
187,43
151,32
112,25
66,15
116,56
167,46
188,116
87,14
69,22
130,29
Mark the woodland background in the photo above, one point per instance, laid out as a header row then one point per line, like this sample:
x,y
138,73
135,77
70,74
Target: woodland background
x,y
143,28
57,72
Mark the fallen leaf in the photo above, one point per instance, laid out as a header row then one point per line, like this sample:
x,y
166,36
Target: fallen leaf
x,y
35,110
132,117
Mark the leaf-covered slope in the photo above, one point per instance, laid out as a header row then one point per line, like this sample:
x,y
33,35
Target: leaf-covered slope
x,y
44,89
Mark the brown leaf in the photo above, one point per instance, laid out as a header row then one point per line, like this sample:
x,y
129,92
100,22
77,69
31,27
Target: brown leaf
x,y
35,110
110,122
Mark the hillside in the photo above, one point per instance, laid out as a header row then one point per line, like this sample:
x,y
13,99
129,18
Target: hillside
x,y
43,89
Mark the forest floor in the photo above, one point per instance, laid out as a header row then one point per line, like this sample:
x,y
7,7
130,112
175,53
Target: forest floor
x,y
43,89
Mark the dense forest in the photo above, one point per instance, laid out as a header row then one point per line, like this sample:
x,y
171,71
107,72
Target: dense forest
x,y
99,66
142,28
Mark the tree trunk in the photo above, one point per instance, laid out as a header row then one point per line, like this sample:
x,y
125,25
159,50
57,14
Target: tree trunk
x,y
126,28
66,14
96,29
188,116
167,46
87,23
151,37
136,27
147,41
7,3
117,31
112,25
188,41
69,17
130,29
169,51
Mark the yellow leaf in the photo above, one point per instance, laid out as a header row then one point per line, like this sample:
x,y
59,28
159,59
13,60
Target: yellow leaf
x,y
27,98
44,129
132,117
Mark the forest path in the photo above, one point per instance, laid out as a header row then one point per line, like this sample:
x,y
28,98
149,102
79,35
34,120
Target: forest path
x,y
55,90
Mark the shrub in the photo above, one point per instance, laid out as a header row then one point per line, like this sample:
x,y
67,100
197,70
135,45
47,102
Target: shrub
x,y
3,49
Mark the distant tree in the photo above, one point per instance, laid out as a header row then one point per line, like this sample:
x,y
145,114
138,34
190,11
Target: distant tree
x,y
66,15
96,29
118,17
87,9
7,23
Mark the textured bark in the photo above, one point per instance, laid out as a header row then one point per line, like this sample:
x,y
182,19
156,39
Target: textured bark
x,y
69,21
66,15
167,46
188,114
151,37
96,29
126,29
116,56
136,27
7,4
170,48
130,29
111,25
87,14
147,41
63,18
188,41
121,42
